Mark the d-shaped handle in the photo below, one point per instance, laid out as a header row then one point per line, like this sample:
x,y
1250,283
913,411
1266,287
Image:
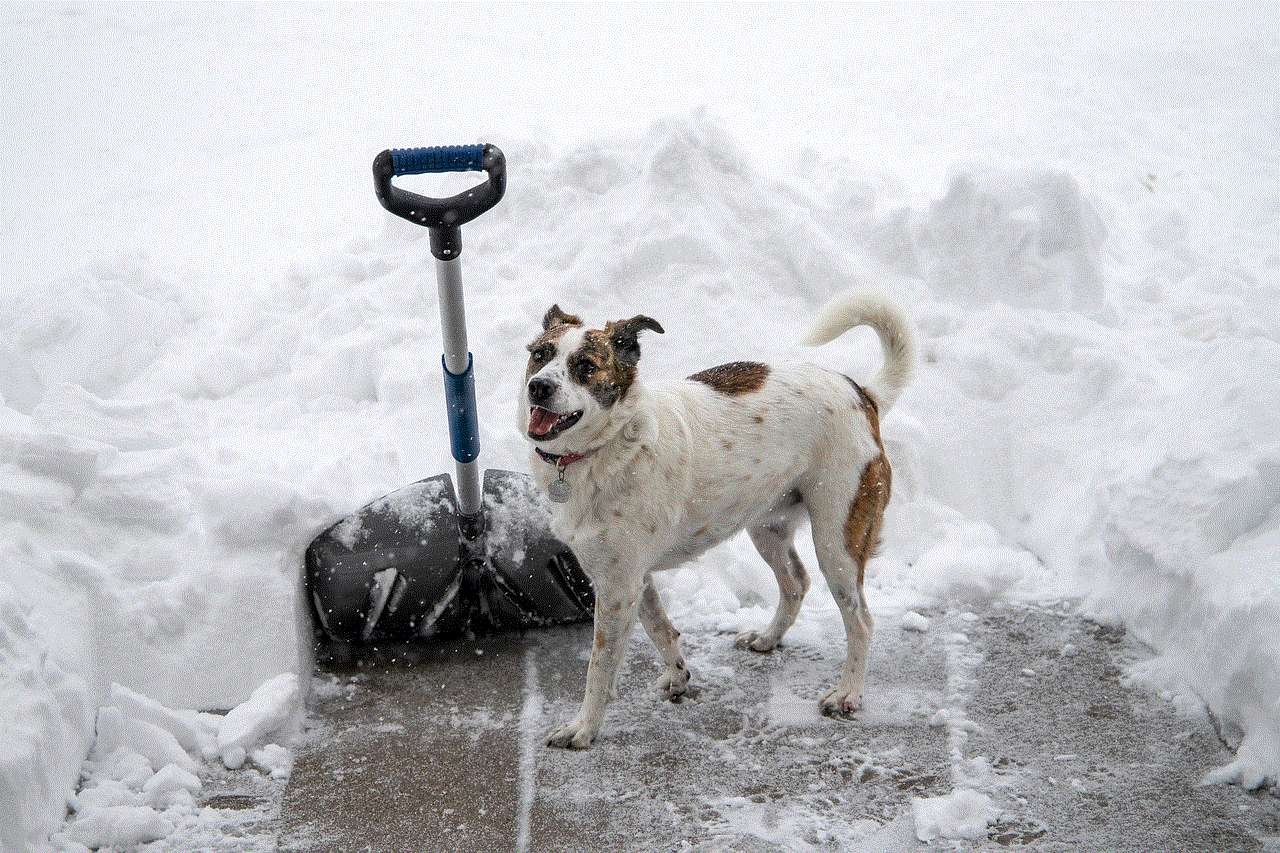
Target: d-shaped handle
x,y
443,216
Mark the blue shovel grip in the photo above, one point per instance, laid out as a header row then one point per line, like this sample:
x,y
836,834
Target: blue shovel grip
x,y
464,418
439,158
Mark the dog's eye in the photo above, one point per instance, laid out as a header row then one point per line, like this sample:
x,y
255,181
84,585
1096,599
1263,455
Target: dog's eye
x,y
543,353
584,370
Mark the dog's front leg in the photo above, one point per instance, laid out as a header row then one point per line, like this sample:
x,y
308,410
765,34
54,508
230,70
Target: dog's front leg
x,y
617,602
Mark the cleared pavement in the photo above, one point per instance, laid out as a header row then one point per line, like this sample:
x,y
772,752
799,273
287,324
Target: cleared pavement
x,y
440,748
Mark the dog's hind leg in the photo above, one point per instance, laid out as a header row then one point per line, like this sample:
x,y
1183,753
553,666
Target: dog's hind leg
x,y
844,541
774,542
674,683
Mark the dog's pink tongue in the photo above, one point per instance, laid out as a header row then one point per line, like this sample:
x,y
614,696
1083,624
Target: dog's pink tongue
x,y
541,421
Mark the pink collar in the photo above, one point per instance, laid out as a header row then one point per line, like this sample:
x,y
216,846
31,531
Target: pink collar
x,y
561,461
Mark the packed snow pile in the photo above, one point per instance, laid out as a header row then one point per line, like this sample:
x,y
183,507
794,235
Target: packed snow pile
x,y
142,776
1097,413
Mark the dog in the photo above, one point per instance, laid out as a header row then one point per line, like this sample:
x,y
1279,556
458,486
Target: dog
x,y
646,477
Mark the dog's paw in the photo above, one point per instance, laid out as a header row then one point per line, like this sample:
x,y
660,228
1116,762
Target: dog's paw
x,y
841,704
756,641
573,735
673,686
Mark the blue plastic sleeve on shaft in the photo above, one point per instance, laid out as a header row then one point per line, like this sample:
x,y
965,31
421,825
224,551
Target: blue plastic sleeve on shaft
x,y
440,158
464,419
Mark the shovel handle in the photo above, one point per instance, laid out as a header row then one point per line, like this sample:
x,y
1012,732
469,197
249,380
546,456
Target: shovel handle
x,y
439,158
442,216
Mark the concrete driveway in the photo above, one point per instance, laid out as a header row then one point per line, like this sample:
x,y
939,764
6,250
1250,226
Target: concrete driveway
x,y
440,748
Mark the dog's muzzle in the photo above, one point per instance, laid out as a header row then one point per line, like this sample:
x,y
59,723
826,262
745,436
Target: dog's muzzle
x,y
541,390
546,423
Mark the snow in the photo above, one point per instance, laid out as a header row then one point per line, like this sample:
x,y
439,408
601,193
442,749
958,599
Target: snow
x,y
141,778
266,710
111,826
913,621
964,813
215,343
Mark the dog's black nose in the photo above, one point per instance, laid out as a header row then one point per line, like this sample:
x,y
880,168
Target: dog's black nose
x,y
541,390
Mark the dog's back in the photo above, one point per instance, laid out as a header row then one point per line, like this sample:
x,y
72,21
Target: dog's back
x,y
749,434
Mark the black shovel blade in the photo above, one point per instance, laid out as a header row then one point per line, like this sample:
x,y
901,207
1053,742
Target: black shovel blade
x,y
536,580
389,570
399,569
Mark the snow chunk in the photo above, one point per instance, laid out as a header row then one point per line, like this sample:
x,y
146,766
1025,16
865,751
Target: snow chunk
x,y
120,826
233,757
276,760
128,425
157,744
912,621
1256,758
138,707
68,459
265,711
124,765
168,781
961,814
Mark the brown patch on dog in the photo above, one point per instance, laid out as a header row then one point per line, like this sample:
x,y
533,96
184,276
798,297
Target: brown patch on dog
x,y
866,399
866,514
605,362
595,366
862,528
734,378
544,347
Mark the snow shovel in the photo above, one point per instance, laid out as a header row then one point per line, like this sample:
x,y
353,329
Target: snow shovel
x,y
426,560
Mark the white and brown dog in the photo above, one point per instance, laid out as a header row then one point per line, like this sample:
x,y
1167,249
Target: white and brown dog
x,y
645,478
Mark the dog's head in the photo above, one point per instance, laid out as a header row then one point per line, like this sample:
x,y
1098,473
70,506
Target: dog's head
x,y
576,376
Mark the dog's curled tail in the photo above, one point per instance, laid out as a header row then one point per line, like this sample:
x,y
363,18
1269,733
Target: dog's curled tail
x,y
896,331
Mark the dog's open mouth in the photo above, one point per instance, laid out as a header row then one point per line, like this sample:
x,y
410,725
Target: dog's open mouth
x,y
545,424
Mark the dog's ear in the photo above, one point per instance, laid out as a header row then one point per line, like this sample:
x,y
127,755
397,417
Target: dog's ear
x,y
624,336
556,317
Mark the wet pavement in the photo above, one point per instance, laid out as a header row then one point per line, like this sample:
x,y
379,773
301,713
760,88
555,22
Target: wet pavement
x,y
441,748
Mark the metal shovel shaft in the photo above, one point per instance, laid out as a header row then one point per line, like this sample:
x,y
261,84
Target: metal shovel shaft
x,y
443,217
463,425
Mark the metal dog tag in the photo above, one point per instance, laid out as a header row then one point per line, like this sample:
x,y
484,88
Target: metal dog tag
x,y
559,489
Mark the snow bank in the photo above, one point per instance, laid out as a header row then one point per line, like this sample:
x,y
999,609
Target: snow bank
x,y
46,732
129,554
1194,535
